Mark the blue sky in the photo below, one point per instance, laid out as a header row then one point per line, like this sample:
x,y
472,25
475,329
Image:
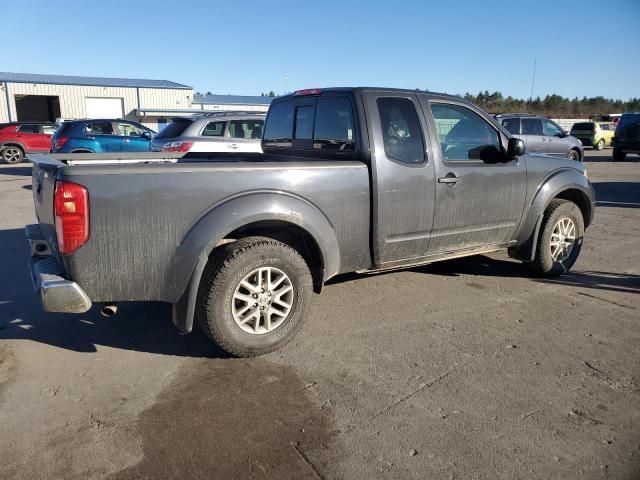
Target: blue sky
x,y
582,47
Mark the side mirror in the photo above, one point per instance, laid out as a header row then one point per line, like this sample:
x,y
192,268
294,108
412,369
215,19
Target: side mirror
x,y
515,148
146,135
565,133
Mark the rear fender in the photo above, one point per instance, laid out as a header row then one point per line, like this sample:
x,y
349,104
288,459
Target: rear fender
x,y
217,223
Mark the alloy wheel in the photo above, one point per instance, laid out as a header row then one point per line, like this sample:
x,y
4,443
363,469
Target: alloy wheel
x,y
563,239
262,300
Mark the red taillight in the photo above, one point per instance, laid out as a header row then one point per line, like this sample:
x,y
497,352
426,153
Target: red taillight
x,y
177,146
308,91
71,210
60,141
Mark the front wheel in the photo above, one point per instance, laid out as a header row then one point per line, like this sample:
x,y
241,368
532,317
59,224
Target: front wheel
x,y
253,296
12,154
574,155
600,144
560,239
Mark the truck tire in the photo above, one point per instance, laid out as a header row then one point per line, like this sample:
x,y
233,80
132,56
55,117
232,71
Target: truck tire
x,y
253,296
11,154
560,239
618,155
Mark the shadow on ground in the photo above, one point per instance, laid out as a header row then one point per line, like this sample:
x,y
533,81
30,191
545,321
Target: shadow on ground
x,y
18,170
617,194
139,326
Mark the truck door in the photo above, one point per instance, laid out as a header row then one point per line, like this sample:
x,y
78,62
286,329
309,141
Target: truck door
x,y
402,175
479,198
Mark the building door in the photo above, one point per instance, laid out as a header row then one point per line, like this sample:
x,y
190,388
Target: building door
x,y
98,107
37,108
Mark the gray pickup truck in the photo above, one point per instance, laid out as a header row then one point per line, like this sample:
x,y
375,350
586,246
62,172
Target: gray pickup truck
x,y
351,179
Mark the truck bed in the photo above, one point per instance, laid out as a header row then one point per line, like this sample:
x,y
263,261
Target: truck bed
x,y
147,214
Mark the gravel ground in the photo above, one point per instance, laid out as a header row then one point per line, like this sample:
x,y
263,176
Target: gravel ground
x,y
462,369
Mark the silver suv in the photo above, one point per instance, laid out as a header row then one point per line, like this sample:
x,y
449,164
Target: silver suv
x,y
542,135
219,132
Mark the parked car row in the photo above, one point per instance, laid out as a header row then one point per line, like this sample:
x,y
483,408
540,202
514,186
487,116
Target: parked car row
x,y
219,132
542,135
241,132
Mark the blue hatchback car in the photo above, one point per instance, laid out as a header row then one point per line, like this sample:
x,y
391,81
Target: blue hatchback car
x,y
101,136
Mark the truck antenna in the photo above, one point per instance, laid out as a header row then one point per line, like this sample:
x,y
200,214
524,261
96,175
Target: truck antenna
x,y
533,80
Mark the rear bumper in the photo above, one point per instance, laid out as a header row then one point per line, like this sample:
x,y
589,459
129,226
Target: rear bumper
x,y
57,294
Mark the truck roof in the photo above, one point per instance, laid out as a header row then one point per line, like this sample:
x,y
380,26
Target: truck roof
x,y
320,91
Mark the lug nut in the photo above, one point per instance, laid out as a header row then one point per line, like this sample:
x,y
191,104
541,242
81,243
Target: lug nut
x,y
255,295
261,308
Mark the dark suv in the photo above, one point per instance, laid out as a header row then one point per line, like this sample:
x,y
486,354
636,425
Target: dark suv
x,y
627,136
542,135
101,135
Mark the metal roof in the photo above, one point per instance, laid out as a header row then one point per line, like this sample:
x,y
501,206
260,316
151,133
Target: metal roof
x,y
232,99
88,81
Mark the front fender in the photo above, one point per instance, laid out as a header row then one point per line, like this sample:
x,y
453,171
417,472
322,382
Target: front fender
x,y
551,187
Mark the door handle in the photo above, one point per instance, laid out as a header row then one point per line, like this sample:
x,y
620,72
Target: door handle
x,y
233,145
450,179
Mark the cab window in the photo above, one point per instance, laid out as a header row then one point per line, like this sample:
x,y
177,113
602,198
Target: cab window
x,y
464,135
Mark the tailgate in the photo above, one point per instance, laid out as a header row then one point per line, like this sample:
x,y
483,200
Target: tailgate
x,y
43,185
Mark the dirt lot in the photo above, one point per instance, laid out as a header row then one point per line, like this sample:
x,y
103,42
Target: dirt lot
x,y
463,369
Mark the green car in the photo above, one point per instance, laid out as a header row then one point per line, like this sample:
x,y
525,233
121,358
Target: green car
x,y
594,134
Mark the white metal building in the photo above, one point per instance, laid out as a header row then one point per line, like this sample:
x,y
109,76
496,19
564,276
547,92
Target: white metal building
x,y
231,103
34,97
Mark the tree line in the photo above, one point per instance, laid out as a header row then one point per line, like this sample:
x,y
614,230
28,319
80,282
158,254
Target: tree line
x,y
554,106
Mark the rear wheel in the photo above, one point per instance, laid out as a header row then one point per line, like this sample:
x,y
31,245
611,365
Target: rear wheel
x,y
574,155
600,144
560,239
618,155
253,296
12,154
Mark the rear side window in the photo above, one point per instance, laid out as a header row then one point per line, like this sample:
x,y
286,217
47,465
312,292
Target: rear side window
x,y
401,129
334,125
531,126
100,128
48,129
279,128
174,129
27,128
214,129
512,125
247,129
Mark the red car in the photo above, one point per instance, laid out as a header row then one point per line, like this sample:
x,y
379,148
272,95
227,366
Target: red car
x,y
20,138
